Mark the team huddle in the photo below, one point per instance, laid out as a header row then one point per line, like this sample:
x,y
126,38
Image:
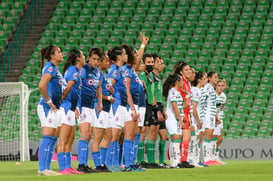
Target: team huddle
x,y
121,108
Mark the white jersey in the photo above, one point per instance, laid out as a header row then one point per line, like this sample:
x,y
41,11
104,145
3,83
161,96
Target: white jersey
x,y
210,99
197,96
220,100
174,96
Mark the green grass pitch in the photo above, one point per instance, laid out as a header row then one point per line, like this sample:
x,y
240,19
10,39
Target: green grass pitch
x,y
233,170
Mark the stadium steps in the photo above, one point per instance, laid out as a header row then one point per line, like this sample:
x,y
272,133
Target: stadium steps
x,y
31,41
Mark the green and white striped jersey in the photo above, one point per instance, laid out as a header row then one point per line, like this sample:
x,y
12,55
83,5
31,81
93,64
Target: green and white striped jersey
x,y
174,96
220,100
210,99
197,96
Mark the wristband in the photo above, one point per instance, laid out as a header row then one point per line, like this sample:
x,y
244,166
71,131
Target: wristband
x,y
108,98
187,96
156,108
142,46
49,101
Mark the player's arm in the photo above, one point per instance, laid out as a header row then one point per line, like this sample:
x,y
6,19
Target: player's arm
x,y
144,41
130,99
99,96
157,110
68,88
196,115
177,114
43,89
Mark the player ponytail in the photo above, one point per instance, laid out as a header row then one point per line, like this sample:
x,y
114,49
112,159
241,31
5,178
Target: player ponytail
x,y
113,54
169,83
72,58
46,54
198,76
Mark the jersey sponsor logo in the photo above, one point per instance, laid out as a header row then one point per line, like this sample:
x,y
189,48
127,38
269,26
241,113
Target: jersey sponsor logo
x,y
60,82
137,79
84,116
107,86
68,118
100,122
90,82
124,81
50,69
80,86
50,120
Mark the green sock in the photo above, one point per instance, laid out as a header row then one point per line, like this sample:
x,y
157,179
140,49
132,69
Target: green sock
x,y
161,150
150,149
140,152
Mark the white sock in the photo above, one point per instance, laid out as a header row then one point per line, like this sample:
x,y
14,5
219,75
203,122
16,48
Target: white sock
x,y
191,154
206,150
174,152
213,150
196,151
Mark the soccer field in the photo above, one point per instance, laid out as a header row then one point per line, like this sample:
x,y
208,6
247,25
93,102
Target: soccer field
x,y
233,170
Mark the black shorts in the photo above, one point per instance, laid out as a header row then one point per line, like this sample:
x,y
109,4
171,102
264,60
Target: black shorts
x,y
150,118
162,125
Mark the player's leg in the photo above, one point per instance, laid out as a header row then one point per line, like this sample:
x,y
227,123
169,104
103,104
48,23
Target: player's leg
x,y
161,145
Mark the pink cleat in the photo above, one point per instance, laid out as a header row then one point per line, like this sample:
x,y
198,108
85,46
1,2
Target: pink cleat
x,y
210,162
73,171
66,172
217,163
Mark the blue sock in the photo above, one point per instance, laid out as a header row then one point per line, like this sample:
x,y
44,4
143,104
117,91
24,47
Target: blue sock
x,y
110,154
103,151
127,151
135,149
51,151
82,149
61,160
44,151
116,161
96,158
87,155
68,163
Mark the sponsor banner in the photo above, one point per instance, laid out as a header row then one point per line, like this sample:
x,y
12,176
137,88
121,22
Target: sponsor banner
x,y
247,149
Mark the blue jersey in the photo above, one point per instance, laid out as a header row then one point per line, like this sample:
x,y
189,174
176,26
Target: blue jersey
x,y
120,94
142,95
90,81
54,87
135,82
73,98
105,85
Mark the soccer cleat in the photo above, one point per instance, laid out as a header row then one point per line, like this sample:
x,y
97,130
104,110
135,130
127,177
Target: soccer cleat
x,y
185,165
44,173
53,173
164,165
85,169
198,165
217,162
136,168
102,169
202,164
127,169
209,162
143,164
66,172
73,171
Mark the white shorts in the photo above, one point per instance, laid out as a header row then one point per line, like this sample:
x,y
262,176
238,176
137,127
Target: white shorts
x,y
120,117
130,113
173,126
67,118
209,121
104,120
51,120
218,128
88,116
141,111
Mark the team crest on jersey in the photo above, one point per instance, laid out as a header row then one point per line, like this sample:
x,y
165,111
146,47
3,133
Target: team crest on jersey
x,y
117,118
126,72
75,76
101,122
68,118
50,120
84,116
50,69
115,73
